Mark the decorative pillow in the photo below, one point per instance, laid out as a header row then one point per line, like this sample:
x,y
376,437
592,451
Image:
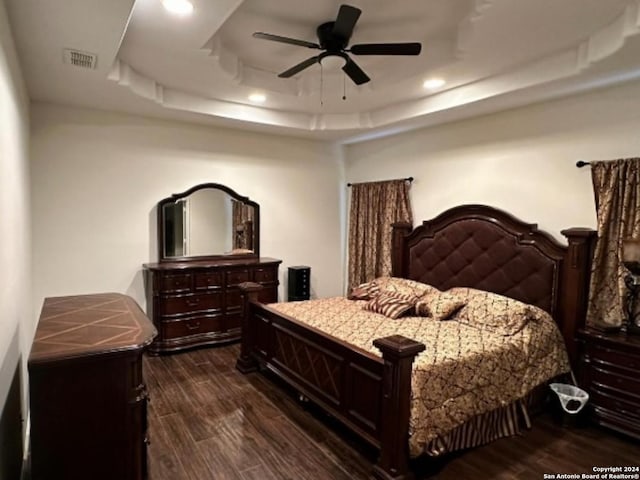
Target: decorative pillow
x,y
466,293
364,291
404,286
440,305
497,313
392,306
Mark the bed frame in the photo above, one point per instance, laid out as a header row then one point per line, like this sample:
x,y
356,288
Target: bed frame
x,y
467,246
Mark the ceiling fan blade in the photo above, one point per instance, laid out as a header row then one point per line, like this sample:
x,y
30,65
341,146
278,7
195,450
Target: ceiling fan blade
x,y
386,49
346,21
299,67
354,72
290,41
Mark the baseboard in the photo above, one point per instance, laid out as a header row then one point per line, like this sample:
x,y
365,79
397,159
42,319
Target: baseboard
x,y
25,471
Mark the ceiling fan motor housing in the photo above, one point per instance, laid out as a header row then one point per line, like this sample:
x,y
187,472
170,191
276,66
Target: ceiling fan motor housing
x,y
329,40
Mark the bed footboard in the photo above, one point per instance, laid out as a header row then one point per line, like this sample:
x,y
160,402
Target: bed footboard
x,y
368,394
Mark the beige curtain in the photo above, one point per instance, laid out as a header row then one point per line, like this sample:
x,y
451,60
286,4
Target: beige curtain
x,y
375,206
616,186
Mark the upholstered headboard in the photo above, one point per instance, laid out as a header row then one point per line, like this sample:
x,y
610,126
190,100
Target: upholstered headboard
x,y
482,247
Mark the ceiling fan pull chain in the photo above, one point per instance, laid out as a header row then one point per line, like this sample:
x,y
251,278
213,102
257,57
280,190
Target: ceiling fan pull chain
x,y
344,87
321,85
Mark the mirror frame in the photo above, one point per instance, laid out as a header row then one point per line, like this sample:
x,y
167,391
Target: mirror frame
x,y
214,256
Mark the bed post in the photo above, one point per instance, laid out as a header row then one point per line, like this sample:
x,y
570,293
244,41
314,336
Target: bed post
x,y
246,362
398,353
398,254
575,285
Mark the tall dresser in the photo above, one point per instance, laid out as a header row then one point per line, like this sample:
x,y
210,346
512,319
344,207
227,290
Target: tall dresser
x,y
87,393
610,372
198,302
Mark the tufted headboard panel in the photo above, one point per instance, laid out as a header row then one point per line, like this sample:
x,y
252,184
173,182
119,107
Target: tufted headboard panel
x,y
481,247
481,254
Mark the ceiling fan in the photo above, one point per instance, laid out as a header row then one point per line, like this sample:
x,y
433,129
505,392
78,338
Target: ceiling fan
x,y
333,39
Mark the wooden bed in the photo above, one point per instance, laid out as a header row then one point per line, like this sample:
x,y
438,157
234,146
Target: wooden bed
x,y
467,246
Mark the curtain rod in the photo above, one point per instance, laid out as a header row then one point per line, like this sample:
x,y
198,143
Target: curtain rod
x,y
581,163
408,179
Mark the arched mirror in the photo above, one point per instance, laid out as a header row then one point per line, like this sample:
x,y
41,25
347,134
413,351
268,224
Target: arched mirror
x,y
207,221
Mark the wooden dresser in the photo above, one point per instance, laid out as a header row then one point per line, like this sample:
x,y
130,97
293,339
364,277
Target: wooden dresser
x,y
610,372
198,302
87,392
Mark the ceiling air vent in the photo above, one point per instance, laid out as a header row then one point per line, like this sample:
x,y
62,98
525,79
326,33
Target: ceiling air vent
x,y
80,59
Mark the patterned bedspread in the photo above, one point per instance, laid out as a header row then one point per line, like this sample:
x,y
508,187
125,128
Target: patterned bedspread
x,y
464,371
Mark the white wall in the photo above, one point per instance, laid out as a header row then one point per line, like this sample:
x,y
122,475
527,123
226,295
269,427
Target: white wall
x,y
97,177
16,315
522,161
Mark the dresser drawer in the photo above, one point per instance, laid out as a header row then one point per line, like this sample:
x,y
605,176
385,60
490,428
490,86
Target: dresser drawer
x,y
192,326
233,300
234,321
615,380
176,305
175,283
268,295
136,382
234,297
612,402
264,275
622,423
236,277
615,357
208,280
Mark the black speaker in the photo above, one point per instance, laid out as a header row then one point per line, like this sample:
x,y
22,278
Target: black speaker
x,y
299,283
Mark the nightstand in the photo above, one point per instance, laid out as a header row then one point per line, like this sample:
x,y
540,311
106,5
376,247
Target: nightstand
x,y
610,372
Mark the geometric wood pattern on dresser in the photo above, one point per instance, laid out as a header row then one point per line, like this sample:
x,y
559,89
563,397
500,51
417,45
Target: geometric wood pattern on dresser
x,y
209,422
87,392
88,323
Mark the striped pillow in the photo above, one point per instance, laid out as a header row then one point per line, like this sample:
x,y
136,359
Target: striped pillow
x,y
403,286
392,306
364,291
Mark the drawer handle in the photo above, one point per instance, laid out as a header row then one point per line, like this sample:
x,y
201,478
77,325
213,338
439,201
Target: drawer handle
x,y
192,302
141,397
622,409
195,326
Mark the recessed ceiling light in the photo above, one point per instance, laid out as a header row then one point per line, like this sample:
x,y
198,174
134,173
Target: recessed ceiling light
x,y
257,97
433,83
178,7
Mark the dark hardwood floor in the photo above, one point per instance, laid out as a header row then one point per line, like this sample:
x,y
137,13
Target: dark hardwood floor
x,y
208,421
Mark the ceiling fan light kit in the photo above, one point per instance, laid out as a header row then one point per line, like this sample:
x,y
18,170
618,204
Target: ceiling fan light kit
x,y
178,7
257,97
433,83
333,38
332,62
